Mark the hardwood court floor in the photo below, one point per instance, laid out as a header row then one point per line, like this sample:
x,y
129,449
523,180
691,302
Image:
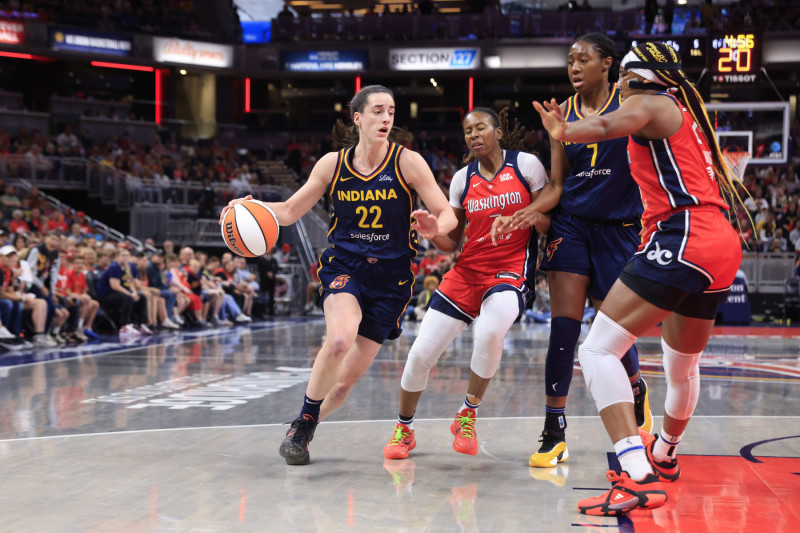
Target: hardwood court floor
x,y
181,435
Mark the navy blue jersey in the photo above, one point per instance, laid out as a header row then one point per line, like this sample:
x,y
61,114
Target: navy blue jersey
x,y
599,185
372,214
115,270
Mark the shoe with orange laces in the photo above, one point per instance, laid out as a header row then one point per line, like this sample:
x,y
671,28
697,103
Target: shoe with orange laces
x,y
625,495
463,427
401,443
666,470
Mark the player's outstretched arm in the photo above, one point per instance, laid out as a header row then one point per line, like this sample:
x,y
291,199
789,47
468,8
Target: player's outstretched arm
x,y
633,115
303,200
440,220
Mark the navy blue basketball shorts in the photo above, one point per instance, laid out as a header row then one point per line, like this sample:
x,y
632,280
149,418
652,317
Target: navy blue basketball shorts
x,y
598,250
383,289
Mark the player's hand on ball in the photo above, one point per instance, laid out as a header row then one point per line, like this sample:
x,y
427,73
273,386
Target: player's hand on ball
x,y
425,224
231,204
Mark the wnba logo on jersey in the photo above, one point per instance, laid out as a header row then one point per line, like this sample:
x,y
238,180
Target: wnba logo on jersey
x,y
339,282
552,247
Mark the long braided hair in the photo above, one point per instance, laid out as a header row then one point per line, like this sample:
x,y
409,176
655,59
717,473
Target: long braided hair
x,y
512,139
665,63
344,135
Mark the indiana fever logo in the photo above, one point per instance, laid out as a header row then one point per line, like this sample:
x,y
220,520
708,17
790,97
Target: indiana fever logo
x,y
339,282
552,247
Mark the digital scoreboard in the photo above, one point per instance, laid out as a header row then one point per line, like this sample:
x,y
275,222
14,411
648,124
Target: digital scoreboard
x,y
735,58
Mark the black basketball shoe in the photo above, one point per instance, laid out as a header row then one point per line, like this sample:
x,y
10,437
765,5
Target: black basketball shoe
x,y
294,447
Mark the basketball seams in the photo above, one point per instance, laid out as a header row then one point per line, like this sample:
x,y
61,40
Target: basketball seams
x,y
239,233
260,228
268,209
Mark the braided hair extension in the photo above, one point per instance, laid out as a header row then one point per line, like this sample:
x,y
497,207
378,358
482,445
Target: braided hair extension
x,y
665,63
605,47
343,135
512,139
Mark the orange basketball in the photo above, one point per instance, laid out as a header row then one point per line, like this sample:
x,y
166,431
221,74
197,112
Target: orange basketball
x,y
250,228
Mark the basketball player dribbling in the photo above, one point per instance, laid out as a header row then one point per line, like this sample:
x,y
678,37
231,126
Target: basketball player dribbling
x,y
685,266
488,285
365,273
595,208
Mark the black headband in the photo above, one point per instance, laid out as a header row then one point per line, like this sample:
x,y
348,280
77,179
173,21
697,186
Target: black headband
x,y
646,86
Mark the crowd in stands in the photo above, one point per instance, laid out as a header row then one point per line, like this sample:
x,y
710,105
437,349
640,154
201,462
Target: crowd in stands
x,y
658,16
127,15
152,170
61,283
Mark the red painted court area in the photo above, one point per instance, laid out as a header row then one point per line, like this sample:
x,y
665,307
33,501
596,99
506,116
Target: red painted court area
x,y
726,494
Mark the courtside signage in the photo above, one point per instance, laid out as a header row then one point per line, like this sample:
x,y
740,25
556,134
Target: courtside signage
x,y
434,58
192,53
12,32
90,41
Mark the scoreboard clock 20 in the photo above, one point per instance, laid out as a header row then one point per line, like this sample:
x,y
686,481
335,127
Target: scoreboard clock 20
x,y
735,58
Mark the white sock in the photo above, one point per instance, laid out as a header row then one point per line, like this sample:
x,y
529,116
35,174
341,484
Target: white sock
x,y
666,446
80,323
632,457
468,405
407,423
55,330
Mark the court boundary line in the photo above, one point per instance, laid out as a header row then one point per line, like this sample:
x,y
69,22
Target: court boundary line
x,y
385,421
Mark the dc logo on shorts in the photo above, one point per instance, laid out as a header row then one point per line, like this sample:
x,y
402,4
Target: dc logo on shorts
x,y
339,282
659,255
552,247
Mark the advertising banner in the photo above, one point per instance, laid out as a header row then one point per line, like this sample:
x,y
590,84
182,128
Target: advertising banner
x,y
90,41
166,50
324,60
12,32
434,58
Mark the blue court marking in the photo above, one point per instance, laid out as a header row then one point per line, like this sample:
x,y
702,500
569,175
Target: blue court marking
x,y
747,451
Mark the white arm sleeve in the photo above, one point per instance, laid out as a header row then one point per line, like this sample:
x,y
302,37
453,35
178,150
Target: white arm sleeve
x,y
457,185
533,171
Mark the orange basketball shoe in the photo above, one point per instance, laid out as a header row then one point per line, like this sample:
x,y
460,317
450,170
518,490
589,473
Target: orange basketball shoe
x,y
625,495
463,427
666,470
401,443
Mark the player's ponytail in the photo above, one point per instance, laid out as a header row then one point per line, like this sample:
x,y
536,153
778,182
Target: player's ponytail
x,y
512,139
343,135
665,63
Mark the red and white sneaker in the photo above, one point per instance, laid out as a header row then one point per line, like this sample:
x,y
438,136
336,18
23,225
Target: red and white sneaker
x,y
463,427
625,495
401,443
666,470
